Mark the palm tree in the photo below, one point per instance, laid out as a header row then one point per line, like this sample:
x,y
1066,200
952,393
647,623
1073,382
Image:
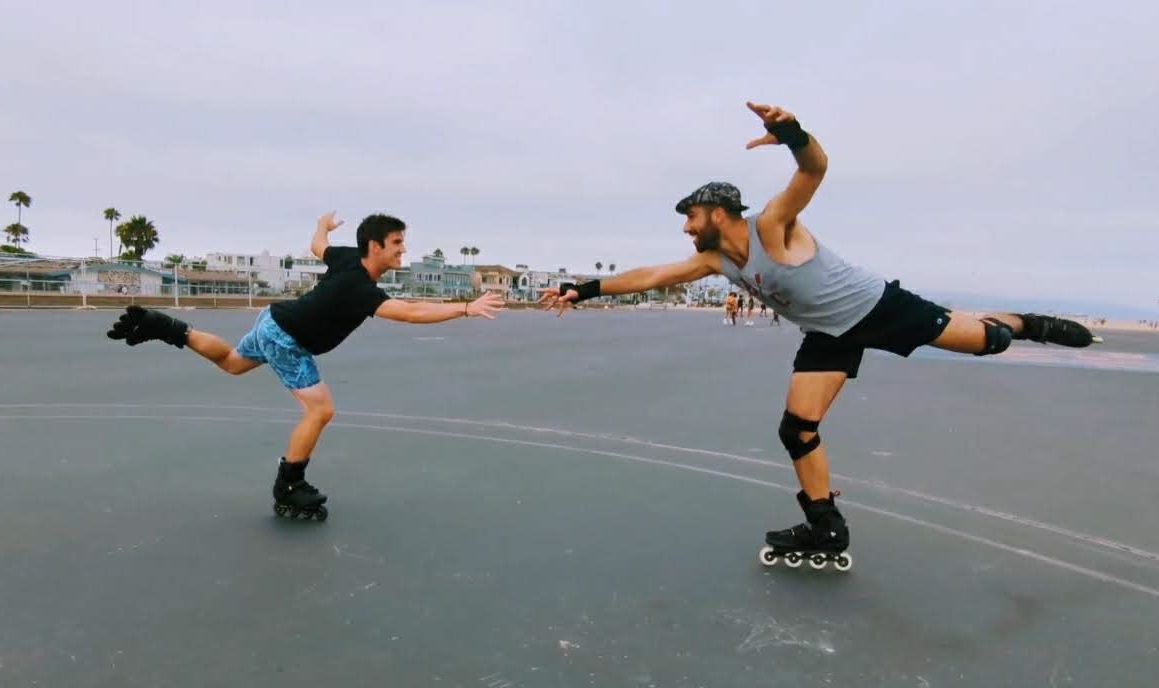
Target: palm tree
x,y
138,235
612,268
474,252
599,266
464,252
17,234
22,200
112,215
438,253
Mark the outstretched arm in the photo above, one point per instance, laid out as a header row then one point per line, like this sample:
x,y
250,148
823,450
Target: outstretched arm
x,y
421,313
633,281
321,241
812,163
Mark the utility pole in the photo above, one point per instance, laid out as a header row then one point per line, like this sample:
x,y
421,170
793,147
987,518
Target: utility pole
x,y
96,248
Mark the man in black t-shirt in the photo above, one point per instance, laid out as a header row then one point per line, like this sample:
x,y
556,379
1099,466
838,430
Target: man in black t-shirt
x,y
289,334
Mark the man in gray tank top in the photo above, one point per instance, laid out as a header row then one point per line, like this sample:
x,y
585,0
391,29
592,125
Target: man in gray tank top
x,y
842,308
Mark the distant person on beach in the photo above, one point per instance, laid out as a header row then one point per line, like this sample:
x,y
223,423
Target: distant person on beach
x,y
288,335
730,308
842,308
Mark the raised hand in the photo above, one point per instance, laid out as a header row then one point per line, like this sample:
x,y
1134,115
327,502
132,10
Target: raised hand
x,y
327,224
771,115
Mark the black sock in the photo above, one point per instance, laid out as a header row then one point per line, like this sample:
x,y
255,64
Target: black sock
x,y
292,472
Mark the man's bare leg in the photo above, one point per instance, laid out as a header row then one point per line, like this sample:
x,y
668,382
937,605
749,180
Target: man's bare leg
x,y
293,495
220,353
968,335
824,533
810,396
318,410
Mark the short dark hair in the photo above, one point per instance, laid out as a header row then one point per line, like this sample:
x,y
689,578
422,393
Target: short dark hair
x,y
376,228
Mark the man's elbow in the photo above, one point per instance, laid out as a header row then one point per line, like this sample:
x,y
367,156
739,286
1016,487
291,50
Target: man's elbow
x,y
822,164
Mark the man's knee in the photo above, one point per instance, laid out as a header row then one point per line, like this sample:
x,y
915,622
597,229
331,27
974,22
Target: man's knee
x,y
323,412
999,335
236,364
317,403
791,430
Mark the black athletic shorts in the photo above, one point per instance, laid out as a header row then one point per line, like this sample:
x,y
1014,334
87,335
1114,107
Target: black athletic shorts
x,y
899,323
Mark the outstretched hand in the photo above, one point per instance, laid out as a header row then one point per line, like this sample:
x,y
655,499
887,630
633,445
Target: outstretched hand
x,y
552,298
486,305
770,115
326,222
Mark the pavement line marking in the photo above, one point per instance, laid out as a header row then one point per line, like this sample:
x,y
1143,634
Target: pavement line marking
x,y
945,530
934,499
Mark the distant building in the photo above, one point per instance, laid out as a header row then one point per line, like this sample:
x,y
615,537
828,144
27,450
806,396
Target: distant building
x,y
498,279
270,270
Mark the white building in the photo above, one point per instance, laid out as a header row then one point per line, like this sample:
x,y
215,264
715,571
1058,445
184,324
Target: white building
x,y
529,282
263,267
307,269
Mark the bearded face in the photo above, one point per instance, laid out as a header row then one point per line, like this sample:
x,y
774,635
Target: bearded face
x,y
703,229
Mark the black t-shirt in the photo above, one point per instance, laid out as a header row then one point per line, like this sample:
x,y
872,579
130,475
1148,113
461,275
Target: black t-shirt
x,y
342,300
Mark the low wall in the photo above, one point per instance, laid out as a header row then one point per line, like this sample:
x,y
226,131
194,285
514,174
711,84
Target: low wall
x,y
118,301
50,300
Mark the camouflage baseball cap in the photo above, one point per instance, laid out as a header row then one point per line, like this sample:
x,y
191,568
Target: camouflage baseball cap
x,y
723,194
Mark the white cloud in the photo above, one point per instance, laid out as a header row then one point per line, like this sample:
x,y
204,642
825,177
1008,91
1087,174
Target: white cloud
x,y
981,144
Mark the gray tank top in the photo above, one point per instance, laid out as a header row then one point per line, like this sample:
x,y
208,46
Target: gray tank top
x,y
824,294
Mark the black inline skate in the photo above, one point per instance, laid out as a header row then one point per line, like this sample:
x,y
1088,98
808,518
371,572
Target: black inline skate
x,y
294,497
823,538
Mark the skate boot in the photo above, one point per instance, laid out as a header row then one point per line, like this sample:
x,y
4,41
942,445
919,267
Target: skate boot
x,y
821,539
295,497
1048,329
138,325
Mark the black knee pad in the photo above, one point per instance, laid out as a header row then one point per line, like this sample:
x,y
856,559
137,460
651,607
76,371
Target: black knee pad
x,y
790,432
998,337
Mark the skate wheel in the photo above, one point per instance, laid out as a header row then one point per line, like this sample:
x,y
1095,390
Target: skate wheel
x,y
295,512
321,513
817,561
794,560
844,562
280,509
768,556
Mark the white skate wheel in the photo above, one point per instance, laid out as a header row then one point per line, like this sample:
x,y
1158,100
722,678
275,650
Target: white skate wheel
x,y
768,557
794,560
817,561
844,561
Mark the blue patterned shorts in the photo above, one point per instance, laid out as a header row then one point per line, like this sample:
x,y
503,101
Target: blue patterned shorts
x,y
268,343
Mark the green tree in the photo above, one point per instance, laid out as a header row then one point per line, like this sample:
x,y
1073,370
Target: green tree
x,y
22,200
138,235
17,234
464,252
474,252
599,266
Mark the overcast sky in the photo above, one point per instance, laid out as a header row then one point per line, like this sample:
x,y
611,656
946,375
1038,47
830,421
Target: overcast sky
x,y
990,147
